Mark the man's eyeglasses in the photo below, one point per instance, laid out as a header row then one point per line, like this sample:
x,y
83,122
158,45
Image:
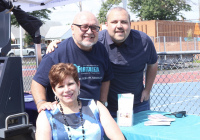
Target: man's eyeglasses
x,y
85,27
179,114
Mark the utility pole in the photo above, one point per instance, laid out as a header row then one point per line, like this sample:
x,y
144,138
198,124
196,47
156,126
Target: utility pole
x,y
199,10
80,5
124,4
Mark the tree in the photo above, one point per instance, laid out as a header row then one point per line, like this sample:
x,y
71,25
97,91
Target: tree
x,y
105,7
28,39
40,14
158,9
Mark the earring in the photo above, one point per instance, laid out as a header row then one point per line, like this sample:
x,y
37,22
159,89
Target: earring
x,y
56,98
77,96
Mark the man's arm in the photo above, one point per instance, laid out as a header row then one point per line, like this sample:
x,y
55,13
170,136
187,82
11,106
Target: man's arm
x,y
150,77
104,91
39,94
51,47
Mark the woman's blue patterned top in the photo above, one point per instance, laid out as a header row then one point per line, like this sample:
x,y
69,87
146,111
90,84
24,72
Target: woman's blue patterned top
x,y
92,125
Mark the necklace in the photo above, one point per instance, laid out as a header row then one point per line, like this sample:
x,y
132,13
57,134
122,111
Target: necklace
x,y
66,123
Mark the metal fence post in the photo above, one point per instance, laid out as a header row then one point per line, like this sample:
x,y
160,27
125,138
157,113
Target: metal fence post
x,y
181,47
165,48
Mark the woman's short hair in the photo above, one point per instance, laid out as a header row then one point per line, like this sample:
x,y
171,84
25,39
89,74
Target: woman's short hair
x,y
60,71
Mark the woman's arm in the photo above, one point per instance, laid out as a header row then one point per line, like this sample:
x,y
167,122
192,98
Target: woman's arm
x,y
43,128
110,127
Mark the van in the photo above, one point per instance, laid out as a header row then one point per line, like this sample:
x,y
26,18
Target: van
x,y
15,51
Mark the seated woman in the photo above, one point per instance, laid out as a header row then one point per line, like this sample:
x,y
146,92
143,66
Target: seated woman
x,y
74,118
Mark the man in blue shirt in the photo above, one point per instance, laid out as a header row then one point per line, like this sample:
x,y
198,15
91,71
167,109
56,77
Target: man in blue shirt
x,y
86,53
130,51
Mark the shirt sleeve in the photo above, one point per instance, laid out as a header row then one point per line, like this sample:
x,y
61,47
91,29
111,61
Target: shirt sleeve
x,y
108,69
153,54
42,73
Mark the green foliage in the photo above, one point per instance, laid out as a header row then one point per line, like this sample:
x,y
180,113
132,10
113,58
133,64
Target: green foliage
x,y
40,14
28,39
189,33
105,7
158,9
196,61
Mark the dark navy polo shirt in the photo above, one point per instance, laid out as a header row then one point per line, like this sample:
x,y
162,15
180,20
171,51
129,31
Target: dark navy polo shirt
x,y
93,67
128,63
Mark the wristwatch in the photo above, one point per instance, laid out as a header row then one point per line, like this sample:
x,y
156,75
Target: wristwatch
x,y
104,103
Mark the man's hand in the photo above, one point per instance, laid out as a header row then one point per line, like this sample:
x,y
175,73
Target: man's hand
x,y
145,95
51,47
46,105
150,76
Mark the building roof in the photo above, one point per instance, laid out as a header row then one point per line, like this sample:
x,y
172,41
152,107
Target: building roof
x,y
47,25
43,29
15,31
57,32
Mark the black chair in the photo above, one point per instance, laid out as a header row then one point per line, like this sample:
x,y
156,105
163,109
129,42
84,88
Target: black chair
x,y
14,121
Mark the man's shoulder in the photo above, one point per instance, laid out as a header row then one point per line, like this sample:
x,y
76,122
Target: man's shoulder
x,y
102,35
65,42
63,47
58,53
139,35
99,46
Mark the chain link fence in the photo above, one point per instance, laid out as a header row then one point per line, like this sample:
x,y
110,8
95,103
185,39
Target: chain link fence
x,y
28,71
177,84
176,87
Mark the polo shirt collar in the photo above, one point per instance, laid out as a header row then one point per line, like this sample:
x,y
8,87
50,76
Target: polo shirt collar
x,y
125,43
108,38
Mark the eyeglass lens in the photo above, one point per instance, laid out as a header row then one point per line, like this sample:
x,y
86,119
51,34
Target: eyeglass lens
x,y
86,27
180,114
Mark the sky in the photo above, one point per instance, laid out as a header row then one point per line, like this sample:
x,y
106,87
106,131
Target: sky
x,y
65,14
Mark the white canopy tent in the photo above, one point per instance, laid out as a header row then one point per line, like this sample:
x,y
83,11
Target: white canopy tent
x,y
32,5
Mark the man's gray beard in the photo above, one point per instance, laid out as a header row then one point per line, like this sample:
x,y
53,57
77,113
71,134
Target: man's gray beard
x,y
87,45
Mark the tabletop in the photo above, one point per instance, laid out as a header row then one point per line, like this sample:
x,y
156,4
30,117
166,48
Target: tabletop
x,y
186,128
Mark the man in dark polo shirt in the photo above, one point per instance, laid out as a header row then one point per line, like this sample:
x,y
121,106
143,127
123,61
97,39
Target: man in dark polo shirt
x,y
130,51
86,53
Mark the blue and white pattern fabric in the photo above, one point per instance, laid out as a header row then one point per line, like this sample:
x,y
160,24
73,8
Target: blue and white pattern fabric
x,y
92,125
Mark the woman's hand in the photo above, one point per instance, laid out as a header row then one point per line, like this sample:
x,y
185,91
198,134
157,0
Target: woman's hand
x,y
51,47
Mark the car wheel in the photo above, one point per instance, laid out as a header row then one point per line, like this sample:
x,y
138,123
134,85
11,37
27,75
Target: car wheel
x,y
43,52
31,53
11,54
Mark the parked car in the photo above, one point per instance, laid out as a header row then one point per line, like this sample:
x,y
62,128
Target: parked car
x,y
43,48
15,50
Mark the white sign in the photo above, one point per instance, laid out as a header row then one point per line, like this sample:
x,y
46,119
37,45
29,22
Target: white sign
x,y
125,101
125,109
32,5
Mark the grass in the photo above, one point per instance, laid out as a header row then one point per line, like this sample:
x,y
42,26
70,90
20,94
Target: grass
x,y
196,61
